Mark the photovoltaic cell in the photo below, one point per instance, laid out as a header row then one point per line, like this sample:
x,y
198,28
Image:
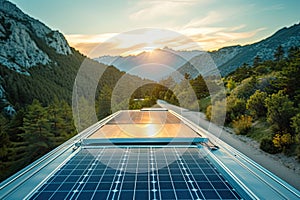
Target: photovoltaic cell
x,y
112,173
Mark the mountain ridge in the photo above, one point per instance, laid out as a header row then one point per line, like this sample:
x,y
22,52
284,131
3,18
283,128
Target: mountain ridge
x,y
38,63
287,37
19,50
166,59
227,59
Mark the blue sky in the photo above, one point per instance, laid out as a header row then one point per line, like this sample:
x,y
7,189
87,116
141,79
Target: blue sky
x,y
212,24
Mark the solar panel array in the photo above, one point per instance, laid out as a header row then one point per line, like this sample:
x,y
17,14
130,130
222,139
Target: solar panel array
x,y
137,173
145,117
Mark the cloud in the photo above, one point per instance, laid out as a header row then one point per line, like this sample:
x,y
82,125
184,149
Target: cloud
x,y
149,10
96,38
212,17
211,38
185,38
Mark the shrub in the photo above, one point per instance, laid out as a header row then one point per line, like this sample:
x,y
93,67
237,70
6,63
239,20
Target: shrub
x,y
268,146
255,104
296,123
242,125
208,112
235,108
280,110
216,113
283,141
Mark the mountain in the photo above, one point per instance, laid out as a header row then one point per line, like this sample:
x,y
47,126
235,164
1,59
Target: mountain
x,y
37,63
226,59
154,65
20,36
26,44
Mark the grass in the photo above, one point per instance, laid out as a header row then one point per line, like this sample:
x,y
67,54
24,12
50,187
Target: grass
x,y
204,103
260,130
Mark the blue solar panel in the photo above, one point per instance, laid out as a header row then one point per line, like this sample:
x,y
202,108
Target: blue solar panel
x,y
137,173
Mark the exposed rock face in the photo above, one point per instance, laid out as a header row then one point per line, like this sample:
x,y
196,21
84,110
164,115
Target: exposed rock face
x,y
24,43
265,49
20,37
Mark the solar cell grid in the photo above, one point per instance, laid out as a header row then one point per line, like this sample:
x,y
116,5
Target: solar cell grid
x,y
85,176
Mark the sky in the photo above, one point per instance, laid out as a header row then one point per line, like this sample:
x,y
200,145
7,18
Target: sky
x,y
204,24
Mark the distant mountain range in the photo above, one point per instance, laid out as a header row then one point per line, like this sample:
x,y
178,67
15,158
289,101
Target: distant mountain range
x,y
152,65
37,62
226,59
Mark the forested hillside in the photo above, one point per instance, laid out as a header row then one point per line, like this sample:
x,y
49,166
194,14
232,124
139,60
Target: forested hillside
x,y
42,101
262,100
37,75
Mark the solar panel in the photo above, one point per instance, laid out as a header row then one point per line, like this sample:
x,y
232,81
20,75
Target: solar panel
x,y
137,173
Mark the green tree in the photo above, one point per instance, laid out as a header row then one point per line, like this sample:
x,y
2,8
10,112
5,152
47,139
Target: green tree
x,y
296,123
246,88
84,114
60,119
66,114
290,76
103,102
241,73
257,61
55,119
279,53
235,108
4,139
36,128
280,110
231,84
267,145
256,104
199,86
293,53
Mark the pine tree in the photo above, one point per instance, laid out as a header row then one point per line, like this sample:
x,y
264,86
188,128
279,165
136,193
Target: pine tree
x,y
279,53
36,128
103,102
257,61
67,116
61,121
4,139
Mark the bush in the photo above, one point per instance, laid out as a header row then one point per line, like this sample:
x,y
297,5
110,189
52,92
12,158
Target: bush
x,y
216,113
280,110
208,112
255,104
296,123
235,108
245,89
268,146
242,125
283,141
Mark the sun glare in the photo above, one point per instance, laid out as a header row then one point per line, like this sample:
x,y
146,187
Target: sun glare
x,y
139,51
